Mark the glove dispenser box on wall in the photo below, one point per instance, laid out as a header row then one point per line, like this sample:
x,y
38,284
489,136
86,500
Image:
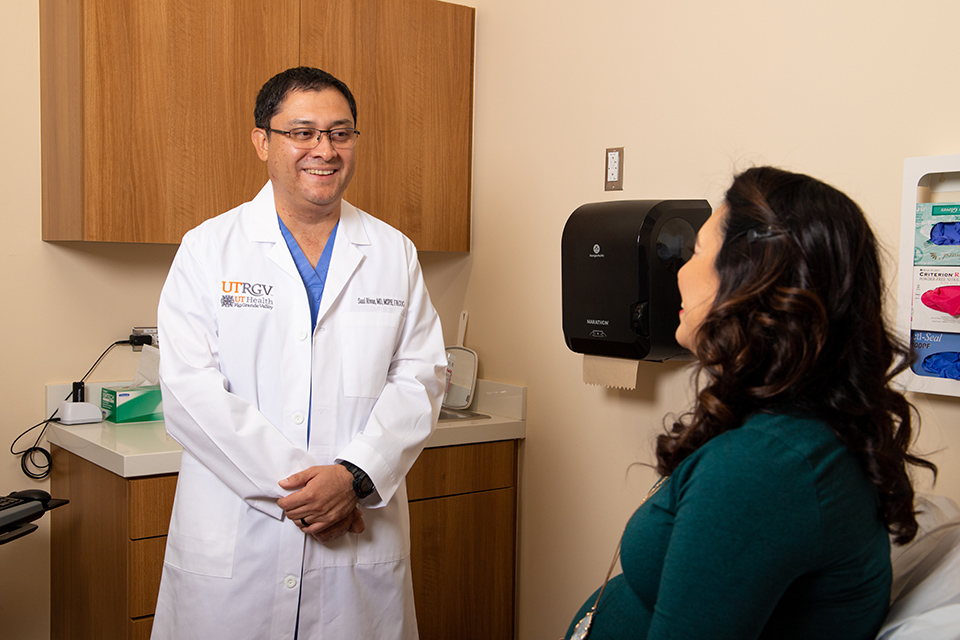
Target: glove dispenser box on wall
x,y
619,263
928,298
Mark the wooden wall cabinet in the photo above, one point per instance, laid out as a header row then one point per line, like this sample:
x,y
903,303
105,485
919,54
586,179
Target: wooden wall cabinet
x,y
147,108
409,64
146,111
107,545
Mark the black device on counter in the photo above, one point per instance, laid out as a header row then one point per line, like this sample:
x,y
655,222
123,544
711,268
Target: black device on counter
x,y
20,508
619,263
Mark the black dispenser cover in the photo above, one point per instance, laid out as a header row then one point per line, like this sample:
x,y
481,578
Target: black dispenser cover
x,y
619,276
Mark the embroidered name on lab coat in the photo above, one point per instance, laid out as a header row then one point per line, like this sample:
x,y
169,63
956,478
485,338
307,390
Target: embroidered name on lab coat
x,y
246,294
383,302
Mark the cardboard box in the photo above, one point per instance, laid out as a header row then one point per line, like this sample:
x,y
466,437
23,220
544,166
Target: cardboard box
x,y
132,404
925,252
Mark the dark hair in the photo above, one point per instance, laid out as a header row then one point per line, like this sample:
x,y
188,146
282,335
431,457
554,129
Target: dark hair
x,y
275,90
797,325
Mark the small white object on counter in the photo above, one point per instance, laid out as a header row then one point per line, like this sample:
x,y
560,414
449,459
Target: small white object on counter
x,y
79,412
136,449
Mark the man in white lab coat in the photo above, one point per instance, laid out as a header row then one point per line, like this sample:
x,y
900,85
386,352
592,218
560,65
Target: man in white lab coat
x,y
301,367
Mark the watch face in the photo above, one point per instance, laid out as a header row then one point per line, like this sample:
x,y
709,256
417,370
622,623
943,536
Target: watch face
x,y
363,485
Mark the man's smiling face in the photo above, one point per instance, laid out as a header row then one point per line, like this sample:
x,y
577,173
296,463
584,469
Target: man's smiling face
x,y
308,181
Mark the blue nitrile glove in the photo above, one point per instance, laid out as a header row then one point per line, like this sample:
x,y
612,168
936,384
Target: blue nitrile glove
x,y
945,364
945,233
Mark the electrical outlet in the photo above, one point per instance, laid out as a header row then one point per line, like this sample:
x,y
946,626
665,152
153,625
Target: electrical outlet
x,y
614,172
145,331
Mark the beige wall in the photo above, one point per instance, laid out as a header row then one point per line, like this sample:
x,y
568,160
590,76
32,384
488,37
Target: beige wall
x,y
62,305
692,89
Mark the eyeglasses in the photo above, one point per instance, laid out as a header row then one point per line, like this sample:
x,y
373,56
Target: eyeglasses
x,y
308,137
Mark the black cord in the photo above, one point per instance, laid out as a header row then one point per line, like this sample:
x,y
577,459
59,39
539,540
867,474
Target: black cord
x,y
27,455
28,464
105,352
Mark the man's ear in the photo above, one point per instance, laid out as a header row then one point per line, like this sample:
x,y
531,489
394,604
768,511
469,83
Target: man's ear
x,y
261,143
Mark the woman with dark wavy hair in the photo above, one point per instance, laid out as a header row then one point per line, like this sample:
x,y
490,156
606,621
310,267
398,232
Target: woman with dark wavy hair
x,y
786,480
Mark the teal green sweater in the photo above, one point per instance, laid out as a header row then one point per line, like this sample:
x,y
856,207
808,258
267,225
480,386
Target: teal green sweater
x,y
768,531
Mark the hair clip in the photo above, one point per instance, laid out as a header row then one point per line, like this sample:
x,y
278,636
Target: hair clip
x,y
753,235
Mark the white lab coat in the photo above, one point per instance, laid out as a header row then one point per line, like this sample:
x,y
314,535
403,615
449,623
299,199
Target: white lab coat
x,y
237,360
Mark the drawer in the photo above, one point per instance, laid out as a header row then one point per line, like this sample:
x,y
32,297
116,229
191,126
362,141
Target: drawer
x,y
143,575
447,471
149,505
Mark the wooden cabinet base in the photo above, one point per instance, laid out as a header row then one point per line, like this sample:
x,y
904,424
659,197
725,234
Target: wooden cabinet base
x,y
107,545
106,550
463,528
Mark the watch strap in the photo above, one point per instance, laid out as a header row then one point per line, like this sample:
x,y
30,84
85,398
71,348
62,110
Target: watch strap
x,y
362,484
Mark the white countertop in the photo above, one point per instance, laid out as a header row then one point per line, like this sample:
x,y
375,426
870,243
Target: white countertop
x,y
144,448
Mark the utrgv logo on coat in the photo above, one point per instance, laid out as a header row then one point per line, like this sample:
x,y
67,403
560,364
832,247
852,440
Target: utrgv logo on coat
x,y
246,294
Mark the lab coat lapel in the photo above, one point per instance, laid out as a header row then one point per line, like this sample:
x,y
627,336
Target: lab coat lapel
x,y
347,256
262,226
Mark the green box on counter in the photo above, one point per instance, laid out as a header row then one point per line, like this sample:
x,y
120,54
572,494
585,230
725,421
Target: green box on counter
x,y
132,404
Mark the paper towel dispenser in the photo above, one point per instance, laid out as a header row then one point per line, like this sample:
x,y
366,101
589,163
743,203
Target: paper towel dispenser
x,y
619,263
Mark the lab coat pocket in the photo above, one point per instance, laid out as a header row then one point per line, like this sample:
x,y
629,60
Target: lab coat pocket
x,y
368,341
204,524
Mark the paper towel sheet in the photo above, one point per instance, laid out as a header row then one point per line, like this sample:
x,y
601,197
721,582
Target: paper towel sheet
x,y
148,367
610,372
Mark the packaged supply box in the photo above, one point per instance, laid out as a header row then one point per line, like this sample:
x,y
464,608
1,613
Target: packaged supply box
x,y
937,236
132,404
936,299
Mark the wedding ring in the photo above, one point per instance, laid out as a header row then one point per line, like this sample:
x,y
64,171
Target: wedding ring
x,y
303,522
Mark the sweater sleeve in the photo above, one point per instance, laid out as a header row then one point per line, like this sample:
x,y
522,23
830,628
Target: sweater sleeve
x,y
747,524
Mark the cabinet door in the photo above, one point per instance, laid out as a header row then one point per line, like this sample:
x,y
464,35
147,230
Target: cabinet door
x,y
161,113
409,64
463,563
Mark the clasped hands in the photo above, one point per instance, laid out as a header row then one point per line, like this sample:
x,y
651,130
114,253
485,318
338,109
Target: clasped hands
x,y
322,497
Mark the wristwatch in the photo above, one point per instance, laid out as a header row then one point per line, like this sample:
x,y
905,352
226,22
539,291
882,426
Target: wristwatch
x,y
362,484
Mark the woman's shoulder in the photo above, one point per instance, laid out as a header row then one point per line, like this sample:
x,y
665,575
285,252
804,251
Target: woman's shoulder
x,y
777,437
772,449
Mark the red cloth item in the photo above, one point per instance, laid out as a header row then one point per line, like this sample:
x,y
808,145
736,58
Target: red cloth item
x,y
946,299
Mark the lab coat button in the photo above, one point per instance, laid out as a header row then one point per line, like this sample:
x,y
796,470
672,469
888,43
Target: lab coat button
x,y
302,335
290,582
298,418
